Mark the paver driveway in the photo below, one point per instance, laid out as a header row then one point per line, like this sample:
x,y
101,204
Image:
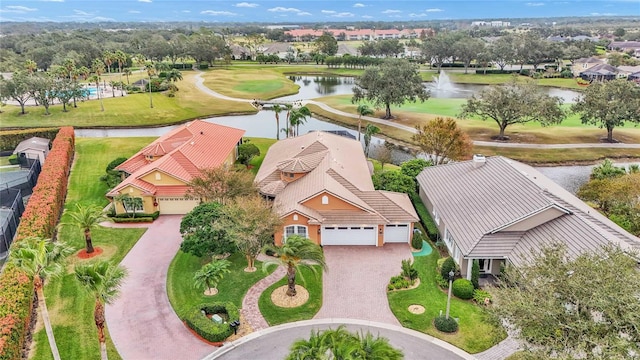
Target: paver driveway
x,y
141,322
355,285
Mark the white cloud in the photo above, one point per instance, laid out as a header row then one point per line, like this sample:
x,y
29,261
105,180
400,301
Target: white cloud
x,y
327,11
391,12
434,10
304,13
535,4
246,5
134,12
284,9
216,13
358,5
20,9
602,14
52,0
366,17
186,11
414,15
81,13
343,15
100,18
145,1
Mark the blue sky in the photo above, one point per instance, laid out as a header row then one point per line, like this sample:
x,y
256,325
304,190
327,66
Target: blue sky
x,y
301,11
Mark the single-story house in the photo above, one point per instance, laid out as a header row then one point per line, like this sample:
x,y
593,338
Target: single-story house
x,y
499,211
584,64
601,72
161,172
320,184
33,148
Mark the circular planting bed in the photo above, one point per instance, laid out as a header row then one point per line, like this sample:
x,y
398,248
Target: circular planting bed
x,y
416,309
83,254
201,320
280,298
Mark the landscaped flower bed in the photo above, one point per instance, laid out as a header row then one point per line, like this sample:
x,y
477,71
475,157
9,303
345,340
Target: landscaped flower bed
x,y
199,320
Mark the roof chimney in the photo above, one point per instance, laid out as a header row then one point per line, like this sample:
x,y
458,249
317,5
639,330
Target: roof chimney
x,y
478,160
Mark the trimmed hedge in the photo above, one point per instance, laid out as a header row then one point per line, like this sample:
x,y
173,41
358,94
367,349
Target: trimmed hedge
x,y
463,289
208,329
39,219
9,139
425,218
153,216
133,220
443,324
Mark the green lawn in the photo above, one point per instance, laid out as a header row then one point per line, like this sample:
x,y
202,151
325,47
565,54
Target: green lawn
x,y
263,145
477,331
4,160
276,315
183,296
247,83
70,309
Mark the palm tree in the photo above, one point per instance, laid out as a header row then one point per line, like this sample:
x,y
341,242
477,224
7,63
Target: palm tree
x,y
102,280
312,349
41,259
369,130
174,75
363,110
210,275
288,107
108,58
121,58
295,253
98,68
277,109
127,72
150,71
86,218
299,117
113,88
376,348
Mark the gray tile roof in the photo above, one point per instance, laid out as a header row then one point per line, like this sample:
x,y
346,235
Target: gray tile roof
x,y
475,201
34,143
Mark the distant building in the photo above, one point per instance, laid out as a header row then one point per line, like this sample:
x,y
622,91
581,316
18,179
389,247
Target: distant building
x,y
360,34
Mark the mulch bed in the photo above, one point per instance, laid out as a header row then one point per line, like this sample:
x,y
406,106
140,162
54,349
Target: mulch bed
x,y
82,254
217,343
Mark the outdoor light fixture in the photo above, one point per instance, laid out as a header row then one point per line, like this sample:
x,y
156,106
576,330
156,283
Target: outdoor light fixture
x,y
451,275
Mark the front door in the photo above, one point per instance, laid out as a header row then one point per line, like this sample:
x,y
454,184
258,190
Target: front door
x,y
485,265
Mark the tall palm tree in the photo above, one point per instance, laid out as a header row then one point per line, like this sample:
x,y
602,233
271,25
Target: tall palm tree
x,y
98,68
277,109
102,280
174,75
295,253
108,57
86,218
41,259
298,117
363,110
210,275
127,72
121,58
150,71
369,130
288,107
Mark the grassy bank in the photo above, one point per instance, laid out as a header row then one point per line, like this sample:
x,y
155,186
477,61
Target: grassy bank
x,y
70,308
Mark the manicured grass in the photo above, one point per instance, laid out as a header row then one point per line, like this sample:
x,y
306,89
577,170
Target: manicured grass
x,y
477,331
377,167
276,315
129,111
558,156
183,296
70,308
248,83
4,160
263,145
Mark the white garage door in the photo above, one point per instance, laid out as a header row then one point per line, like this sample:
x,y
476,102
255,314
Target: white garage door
x,y
176,205
396,233
349,235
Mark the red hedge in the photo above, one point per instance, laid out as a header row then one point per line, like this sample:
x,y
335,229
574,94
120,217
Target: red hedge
x,y
39,219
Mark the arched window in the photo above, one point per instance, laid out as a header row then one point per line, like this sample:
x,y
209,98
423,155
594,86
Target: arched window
x,y
325,199
295,230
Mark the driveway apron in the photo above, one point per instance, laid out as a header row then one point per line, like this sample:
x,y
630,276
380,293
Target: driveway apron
x,y
141,322
355,284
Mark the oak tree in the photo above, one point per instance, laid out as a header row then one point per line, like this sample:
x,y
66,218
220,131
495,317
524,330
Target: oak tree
x,y
443,139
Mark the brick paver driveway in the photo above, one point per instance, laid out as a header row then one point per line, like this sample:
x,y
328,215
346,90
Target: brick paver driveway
x,y
355,285
141,322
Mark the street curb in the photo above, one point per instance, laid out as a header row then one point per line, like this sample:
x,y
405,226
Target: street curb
x,y
230,346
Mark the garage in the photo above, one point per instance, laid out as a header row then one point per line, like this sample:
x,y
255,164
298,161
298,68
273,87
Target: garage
x,y
396,233
349,235
176,205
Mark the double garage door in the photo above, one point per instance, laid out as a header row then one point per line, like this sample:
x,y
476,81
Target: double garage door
x,y
176,205
349,235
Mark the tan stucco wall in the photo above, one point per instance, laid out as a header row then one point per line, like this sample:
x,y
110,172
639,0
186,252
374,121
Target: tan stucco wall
x,y
231,158
147,201
312,230
334,203
535,220
165,179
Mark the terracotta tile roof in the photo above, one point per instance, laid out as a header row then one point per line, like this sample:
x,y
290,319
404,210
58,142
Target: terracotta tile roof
x,y
332,164
184,152
172,190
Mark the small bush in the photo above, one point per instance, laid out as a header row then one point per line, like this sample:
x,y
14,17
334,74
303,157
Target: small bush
x,y
133,220
114,163
463,289
448,266
13,159
416,241
399,282
442,282
482,297
208,329
443,324
408,270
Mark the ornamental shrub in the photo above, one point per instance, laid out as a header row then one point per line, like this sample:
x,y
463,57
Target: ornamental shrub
x,y
205,327
416,241
463,289
447,266
133,220
9,139
482,297
442,282
408,270
443,324
475,274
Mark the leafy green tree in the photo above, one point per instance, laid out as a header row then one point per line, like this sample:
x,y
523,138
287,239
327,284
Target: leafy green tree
x,y
43,90
609,104
16,88
414,167
41,259
606,170
567,308
246,152
326,44
363,110
438,49
393,82
394,181
298,117
222,184
102,280
250,223
86,218
277,109
369,131
467,49
503,51
210,275
514,103
199,236
297,252
443,139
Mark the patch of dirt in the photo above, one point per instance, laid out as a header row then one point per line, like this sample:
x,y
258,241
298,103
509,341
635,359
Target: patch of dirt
x,y
243,330
416,309
280,298
210,292
82,254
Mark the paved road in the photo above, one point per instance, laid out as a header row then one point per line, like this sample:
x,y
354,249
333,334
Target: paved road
x,y
141,322
273,343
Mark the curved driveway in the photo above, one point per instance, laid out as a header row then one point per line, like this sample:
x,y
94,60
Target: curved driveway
x,y
142,323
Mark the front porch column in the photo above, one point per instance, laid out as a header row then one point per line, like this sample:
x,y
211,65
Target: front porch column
x,y
469,266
